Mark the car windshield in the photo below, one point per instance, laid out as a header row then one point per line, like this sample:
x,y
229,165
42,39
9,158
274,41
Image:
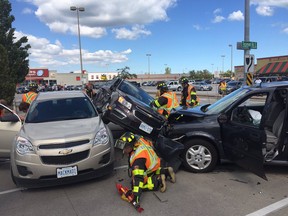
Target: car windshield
x,y
60,109
221,104
136,92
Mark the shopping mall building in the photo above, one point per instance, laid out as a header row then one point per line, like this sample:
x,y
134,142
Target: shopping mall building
x,y
269,66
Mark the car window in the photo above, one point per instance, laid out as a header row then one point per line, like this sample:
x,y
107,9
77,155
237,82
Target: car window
x,y
136,92
249,112
60,109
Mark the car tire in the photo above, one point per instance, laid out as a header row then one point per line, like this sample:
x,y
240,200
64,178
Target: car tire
x,y
179,89
12,177
199,156
201,89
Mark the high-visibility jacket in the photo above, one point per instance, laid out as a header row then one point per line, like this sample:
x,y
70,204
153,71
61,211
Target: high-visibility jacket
x,y
142,175
223,86
29,97
172,103
192,99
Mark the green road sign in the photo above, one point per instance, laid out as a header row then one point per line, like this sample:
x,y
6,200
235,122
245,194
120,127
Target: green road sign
x,y
249,45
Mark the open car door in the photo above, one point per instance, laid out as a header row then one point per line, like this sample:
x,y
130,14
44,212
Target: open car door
x,y
254,130
243,134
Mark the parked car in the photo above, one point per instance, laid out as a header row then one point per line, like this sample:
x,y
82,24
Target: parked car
x,y
268,79
202,86
174,85
62,140
231,86
10,125
247,126
22,90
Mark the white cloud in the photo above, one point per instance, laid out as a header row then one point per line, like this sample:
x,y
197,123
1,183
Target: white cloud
x,y
47,54
236,15
285,30
266,7
27,11
265,10
99,15
132,34
217,11
218,19
197,27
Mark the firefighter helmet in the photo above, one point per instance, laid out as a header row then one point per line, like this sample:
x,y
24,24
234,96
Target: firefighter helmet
x,y
183,80
127,139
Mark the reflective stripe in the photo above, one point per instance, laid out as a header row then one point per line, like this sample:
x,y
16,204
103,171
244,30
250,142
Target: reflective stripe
x,y
135,189
138,172
149,185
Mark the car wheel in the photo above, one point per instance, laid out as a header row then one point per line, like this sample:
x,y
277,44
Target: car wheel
x,y
201,89
179,89
200,156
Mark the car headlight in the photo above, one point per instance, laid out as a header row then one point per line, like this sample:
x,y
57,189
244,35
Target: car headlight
x,y
101,137
23,146
124,102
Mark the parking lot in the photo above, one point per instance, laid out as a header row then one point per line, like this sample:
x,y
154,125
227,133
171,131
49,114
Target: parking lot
x,y
228,190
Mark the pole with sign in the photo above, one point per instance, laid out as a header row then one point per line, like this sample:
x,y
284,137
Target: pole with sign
x,y
249,68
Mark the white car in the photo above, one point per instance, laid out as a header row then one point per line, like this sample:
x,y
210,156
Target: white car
x,y
174,85
62,140
10,125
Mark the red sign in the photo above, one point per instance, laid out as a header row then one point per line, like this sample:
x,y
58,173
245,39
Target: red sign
x,y
78,78
38,73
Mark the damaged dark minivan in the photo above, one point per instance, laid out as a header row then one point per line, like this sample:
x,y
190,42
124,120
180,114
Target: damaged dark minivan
x,y
248,126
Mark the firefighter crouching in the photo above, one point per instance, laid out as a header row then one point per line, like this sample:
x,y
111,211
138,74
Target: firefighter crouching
x,y
166,101
144,165
188,97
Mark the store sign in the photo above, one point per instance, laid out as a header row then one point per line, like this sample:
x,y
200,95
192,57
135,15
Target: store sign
x,y
38,73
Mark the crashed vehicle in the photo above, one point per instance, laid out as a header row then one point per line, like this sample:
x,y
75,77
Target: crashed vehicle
x,y
247,126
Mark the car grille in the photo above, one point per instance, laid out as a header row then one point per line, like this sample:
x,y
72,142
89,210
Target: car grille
x,y
65,159
63,145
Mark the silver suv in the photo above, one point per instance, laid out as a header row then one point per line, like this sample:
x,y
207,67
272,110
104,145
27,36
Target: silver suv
x,y
62,140
174,85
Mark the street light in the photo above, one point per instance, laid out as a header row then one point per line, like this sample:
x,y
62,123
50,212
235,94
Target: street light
x,y
148,55
223,56
231,46
77,9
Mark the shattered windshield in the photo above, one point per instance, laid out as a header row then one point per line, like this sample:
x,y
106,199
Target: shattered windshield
x,y
221,104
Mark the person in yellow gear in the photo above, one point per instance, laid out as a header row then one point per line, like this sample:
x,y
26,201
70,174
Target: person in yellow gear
x,y
222,87
166,101
31,95
144,165
188,96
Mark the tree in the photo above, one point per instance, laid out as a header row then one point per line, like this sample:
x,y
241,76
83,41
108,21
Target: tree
x,y
124,73
16,50
7,86
167,70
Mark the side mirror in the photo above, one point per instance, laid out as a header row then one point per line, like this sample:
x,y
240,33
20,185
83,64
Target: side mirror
x,y
222,118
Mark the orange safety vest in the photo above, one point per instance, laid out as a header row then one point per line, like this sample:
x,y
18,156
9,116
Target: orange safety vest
x,y
145,150
29,97
188,99
223,86
172,103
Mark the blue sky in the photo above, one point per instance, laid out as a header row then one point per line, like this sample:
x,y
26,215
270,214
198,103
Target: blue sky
x,y
181,34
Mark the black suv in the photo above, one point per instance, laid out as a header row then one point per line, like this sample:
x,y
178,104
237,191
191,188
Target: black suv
x,y
247,126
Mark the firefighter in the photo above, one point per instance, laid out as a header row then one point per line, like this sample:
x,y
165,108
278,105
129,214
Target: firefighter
x,y
166,101
222,87
31,95
89,90
188,95
144,165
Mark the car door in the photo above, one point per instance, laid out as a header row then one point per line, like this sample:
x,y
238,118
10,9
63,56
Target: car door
x,y
244,137
10,124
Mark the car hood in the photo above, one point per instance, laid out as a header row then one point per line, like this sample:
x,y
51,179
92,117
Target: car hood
x,y
195,112
82,128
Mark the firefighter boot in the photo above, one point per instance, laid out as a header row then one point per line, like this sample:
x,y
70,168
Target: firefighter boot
x,y
163,183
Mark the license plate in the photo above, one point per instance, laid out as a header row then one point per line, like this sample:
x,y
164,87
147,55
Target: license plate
x,y
67,171
145,127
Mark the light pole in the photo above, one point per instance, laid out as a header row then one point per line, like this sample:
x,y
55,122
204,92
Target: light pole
x,y
231,46
148,55
223,56
77,9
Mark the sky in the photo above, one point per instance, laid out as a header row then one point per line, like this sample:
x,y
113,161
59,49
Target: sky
x,y
148,35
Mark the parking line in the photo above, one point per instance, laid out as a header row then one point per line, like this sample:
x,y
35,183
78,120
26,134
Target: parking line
x,y
12,190
121,167
271,208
